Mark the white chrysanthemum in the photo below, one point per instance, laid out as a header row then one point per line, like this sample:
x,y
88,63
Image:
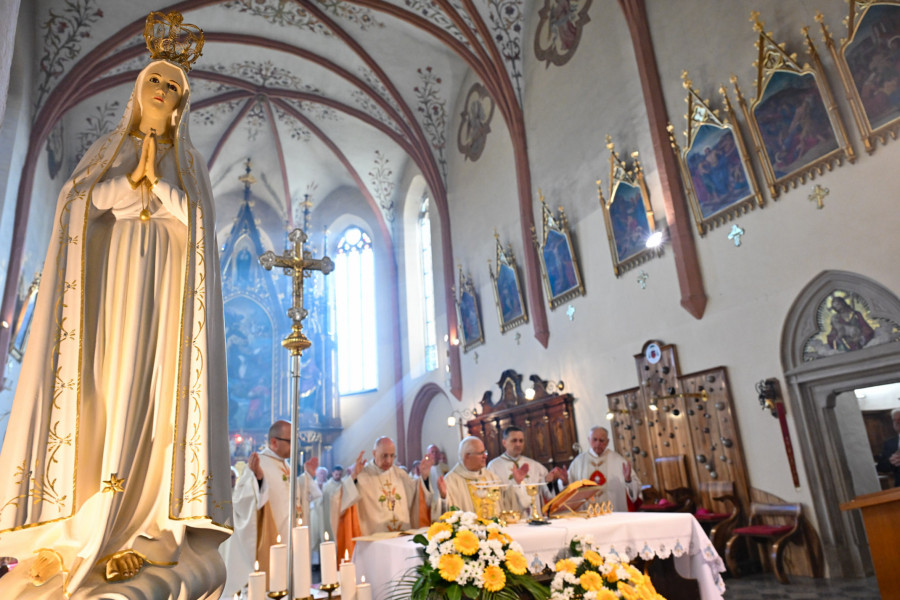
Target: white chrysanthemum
x,y
516,547
622,574
590,595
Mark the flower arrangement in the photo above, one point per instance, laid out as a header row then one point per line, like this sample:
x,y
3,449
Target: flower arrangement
x,y
586,575
466,556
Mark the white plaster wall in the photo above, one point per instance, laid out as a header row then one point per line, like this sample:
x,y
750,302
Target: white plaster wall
x,y
569,110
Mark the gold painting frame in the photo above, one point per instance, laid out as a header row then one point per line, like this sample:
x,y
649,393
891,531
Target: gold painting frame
x,y
508,296
792,151
857,29
715,166
468,313
559,263
628,213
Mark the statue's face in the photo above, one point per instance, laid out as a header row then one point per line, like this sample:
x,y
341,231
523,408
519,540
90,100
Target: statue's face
x,y
161,90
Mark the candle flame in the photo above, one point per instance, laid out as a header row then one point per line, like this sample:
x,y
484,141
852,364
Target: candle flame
x,y
256,565
362,579
346,556
326,536
299,521
278,539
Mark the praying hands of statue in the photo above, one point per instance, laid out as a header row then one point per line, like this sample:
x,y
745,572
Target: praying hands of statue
x,y
521,473
146,166
359,465
626,471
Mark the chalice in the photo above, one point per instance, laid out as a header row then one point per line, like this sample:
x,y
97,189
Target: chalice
x,y
536,516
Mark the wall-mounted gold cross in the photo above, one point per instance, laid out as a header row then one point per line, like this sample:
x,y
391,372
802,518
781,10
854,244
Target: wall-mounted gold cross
x,y
298,264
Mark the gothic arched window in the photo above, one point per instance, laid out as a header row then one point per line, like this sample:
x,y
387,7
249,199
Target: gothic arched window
x,y
427,273
354,293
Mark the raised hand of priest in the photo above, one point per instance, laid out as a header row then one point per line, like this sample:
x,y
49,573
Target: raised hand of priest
x,y
253,465
359,465
311,465
558,473
425,465
521,473
442,486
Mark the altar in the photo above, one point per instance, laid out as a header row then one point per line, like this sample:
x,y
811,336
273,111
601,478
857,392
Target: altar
x,y
644,535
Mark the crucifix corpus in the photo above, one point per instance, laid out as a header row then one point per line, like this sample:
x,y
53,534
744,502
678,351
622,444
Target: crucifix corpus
x,y
297,263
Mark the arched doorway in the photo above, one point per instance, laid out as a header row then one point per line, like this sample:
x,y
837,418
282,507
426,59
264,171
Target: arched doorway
x,y
840,334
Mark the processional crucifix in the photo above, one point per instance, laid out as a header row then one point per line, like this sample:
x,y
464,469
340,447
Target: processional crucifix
x,y
298,264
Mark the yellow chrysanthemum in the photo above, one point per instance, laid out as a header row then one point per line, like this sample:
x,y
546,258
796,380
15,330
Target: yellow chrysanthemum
x,y
628,592
591,581
501,537
437,528
516,563
449,566
447,515
593,558
633,574
494,578
607,594
566,565
612,577
465,542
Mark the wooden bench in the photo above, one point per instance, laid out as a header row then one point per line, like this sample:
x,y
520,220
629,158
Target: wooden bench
x,y
719,512
775,524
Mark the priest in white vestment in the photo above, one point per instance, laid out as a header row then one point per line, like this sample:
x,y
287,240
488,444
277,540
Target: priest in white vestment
x,y
387,497
115,463
608,469
459,488
519,471
261,503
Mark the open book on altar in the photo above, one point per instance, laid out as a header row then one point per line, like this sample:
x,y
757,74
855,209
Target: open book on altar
x,y
573,498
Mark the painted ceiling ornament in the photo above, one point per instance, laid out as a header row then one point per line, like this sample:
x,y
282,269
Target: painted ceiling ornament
x,y
475,123
559,30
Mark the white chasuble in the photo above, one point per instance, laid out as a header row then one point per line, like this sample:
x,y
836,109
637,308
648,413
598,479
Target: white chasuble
x,y
117,439
461,489
606,470
515,497
388,500
260,514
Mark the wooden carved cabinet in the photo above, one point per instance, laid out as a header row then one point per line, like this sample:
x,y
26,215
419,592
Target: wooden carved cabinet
x,y
547,420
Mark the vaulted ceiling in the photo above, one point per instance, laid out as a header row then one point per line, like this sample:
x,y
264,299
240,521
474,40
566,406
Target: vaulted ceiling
x,y
320,94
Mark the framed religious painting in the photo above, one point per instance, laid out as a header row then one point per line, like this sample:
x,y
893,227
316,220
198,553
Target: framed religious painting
x,y
468,315
797,129
627,212
715,166
869,66
507,289
559,265
475,122
558,31
24,314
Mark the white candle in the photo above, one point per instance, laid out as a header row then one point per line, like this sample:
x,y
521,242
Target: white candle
x,y
278,566
328,558
302,569
256,587
364,590
348,578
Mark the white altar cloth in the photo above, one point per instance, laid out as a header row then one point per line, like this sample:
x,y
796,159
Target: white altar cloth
x,y
648,535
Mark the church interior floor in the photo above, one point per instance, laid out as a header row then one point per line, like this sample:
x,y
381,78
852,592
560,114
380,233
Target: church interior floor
x,y
764,586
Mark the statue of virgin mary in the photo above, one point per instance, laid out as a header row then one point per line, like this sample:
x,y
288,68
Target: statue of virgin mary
x,y
116,471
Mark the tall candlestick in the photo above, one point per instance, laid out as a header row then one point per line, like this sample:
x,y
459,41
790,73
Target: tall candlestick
x,y
328,558
278,566
302,569
348,578
256,587
364,590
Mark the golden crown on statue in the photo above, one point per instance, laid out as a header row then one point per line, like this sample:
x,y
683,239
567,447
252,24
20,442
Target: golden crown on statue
x,y
168,38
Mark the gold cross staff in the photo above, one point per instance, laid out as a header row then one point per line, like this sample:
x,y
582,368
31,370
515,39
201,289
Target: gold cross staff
x,y
298,264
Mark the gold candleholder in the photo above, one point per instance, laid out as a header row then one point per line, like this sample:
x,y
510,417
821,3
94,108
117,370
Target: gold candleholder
x,y
329,588
304,598
277,595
